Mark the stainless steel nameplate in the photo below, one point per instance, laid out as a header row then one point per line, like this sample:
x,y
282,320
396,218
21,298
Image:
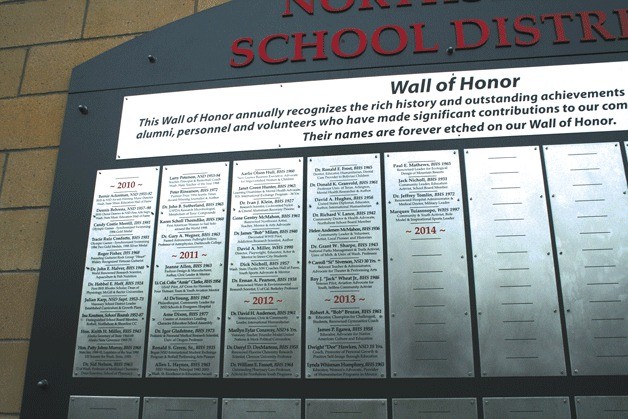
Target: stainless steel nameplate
x,y
184,336
261,408
527,407
94,407
435,408
587,184
430,325
263,327
517,303
179,408
112,320
345,283
596,407
346,409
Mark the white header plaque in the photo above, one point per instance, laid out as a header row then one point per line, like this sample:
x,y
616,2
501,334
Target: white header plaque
x,y
413,107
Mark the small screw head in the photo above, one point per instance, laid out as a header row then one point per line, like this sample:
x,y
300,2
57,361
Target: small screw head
x,y
450,50
83,109
152,59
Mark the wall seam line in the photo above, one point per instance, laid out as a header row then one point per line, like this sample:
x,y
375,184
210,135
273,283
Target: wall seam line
x,y
16,271
84,18
69,40
24,208
4,172
19,88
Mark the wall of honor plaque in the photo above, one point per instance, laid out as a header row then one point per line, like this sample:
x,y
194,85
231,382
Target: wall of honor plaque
x,y
374,226
112,321
588,199
430,326
186,305
517,302
263,327
345,279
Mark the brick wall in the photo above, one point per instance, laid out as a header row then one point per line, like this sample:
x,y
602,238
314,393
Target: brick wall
x,y
40,42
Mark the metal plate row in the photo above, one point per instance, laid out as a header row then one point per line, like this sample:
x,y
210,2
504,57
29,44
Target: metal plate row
x,y
430,320
591,407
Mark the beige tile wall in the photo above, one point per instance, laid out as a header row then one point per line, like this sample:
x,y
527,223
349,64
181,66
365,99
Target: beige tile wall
x,y
40,42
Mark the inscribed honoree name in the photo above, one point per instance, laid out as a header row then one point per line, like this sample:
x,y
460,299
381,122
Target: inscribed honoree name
x,y
186,306
112,320
345,283
263,326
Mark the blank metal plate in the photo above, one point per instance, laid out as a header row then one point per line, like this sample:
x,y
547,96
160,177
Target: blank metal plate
x,y
601,407
179,408
345,282
430,325
94,407
526,408
112,320
587,183
435,409
186,305
346,409
263,326
261,408
519,324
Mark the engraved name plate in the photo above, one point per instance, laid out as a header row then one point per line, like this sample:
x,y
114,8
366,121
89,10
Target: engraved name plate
x,y
600,407
263,327
112,320
526,407
345,283
346,409
587,184
95,407
430,325
435,408
261,408
186,306
519,324
179,408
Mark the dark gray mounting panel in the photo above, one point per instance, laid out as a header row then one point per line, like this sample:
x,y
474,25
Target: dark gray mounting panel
x,y
194,53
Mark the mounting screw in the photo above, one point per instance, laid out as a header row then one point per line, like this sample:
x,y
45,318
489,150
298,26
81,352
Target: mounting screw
x,y
152,59
43,384
450,50
83,109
